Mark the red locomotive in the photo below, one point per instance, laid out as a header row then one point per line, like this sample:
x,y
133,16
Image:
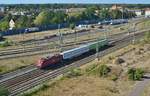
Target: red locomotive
x,y
50,60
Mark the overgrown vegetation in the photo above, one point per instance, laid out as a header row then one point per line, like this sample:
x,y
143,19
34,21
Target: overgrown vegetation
x,y
147,37
99,70
135,73
73,72
41,88
103,70
5,43
3,91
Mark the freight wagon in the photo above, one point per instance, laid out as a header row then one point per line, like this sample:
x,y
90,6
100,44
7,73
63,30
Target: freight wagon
x,y
69,54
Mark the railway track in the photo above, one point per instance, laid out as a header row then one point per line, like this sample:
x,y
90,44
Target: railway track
x,y
39,49
26,50
29,81
43,49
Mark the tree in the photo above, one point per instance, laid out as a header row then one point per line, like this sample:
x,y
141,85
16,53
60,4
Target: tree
x,y
43,18
4,25
50,17
8,17
59,17
22,22
116,14
104,14
89,14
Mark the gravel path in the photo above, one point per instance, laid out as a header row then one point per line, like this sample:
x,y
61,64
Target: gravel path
x,y
140,86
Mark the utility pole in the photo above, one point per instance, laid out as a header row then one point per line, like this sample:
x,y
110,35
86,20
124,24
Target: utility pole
x,y
34,39
24,38
97,50
75,32
60,38
122,12
133,40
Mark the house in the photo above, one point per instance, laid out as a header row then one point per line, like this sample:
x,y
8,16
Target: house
x,y
11,24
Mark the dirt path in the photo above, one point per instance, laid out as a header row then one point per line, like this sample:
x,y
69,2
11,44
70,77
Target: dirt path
x,y
140,86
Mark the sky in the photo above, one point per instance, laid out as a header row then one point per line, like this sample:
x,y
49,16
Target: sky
x,y
73,1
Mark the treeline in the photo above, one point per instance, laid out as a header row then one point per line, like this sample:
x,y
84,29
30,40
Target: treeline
x,y
65,6
54,6
53,17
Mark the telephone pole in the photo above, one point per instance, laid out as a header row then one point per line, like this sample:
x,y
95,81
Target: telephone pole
x,y
60,38
133,40
97,50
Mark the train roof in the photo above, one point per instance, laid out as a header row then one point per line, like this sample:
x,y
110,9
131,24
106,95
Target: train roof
x,y
74,49
49,56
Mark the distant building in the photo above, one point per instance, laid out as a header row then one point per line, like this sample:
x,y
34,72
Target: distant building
x,y
138,12
2,9
147,13
11,24
75,10
18,13
116,7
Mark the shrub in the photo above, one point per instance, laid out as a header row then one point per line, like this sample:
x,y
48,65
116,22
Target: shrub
x,y
74,72
114,77
91,69
139,73
103,70
135,74
5,43
147,37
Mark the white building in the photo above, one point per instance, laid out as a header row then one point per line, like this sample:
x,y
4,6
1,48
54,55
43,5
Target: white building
x,y
11,24
147,13
138,13
2,9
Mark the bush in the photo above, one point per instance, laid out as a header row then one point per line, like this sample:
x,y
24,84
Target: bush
x,y
147,37
135,74
74,72
4,91
5,43
114,77
103,70
91,69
